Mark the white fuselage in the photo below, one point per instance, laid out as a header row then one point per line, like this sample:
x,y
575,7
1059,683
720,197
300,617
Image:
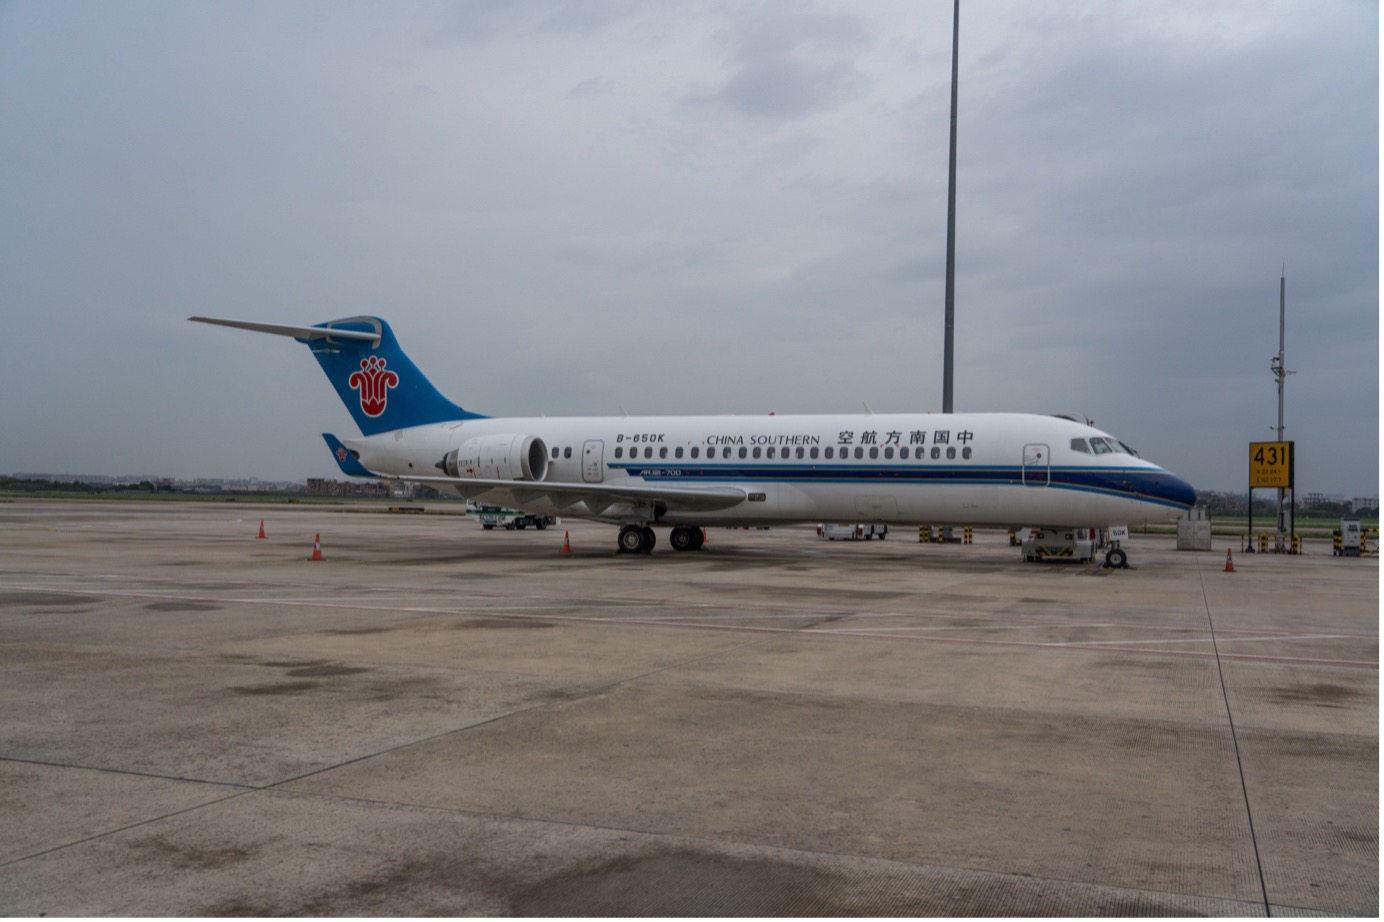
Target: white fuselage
x,y
1003,469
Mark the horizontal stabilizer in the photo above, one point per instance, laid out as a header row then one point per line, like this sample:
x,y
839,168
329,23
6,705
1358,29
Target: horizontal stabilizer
x,y
345,459
280,329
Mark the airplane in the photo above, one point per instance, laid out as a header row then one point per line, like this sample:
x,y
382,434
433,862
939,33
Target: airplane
x,y
694,472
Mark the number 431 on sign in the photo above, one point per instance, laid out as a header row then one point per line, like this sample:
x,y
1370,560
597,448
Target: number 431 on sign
x,y
1271,464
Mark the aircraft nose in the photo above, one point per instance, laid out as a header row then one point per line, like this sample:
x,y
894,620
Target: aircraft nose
x,y
1174,489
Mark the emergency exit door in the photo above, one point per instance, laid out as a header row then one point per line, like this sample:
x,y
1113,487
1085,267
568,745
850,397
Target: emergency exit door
x,y
1036,465
593,461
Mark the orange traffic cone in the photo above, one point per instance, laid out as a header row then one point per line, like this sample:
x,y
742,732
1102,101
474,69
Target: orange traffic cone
x,y
261,534
316,547
566,542
1229,562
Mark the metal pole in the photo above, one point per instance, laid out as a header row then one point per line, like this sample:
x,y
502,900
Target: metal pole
x,y
949,340
1282,314
1281,374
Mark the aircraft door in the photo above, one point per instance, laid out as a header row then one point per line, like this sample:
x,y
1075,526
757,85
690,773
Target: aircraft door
x,y
1036,465
593,461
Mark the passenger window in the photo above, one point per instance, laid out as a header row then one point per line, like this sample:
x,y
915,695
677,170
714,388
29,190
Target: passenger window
x,y
874,452
743,451
555,449
966,453
936,452
903,453
951,453
800,452
888,453
677,452
771,451
859,453
1081,446
619,452
812,452
696,450
567,453
649,452
756,452
829,452
663,452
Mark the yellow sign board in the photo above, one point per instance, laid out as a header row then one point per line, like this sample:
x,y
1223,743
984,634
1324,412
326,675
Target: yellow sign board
x,y
1271,464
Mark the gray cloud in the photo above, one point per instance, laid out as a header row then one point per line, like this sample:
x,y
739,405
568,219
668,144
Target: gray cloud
x,y
787,63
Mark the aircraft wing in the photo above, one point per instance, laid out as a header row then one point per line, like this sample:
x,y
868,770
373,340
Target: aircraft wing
x,y
597,496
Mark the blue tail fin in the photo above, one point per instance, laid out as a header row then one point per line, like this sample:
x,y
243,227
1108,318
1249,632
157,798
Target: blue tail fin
x,y
379,384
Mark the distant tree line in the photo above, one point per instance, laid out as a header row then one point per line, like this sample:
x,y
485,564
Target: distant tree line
x,y
38,486
19,485
1265,503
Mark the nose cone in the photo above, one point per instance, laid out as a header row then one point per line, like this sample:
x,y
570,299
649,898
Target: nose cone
x,y
1174,490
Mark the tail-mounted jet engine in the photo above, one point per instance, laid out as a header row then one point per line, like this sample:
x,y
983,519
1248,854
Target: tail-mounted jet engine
x,y
498,457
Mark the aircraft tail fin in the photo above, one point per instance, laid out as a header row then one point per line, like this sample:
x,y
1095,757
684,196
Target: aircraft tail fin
x,y
380,385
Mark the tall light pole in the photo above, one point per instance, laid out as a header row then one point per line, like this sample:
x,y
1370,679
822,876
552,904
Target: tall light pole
x,y
949,340
1281,373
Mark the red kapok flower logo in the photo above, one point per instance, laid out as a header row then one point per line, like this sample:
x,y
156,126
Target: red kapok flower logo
x,y
373,382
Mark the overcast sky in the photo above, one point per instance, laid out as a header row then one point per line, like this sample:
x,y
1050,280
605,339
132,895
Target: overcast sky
x,y
697,207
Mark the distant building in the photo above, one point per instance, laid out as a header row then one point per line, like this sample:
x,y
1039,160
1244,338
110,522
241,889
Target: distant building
x,y
318,486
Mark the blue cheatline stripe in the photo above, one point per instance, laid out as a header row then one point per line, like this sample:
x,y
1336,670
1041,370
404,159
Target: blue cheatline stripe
x,y
1147,486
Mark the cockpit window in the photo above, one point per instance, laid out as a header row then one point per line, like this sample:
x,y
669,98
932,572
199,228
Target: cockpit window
x,y
1081,446
1127,449
1100,446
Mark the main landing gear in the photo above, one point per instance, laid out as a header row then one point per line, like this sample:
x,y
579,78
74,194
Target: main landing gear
x,y
640,539
636,539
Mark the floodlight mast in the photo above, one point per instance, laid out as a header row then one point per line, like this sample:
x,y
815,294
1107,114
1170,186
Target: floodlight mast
x,y
1281,373
949,338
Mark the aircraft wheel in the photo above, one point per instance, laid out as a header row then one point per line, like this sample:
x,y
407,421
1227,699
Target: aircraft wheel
x,y
632,540
1116,559
683,538
650,539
